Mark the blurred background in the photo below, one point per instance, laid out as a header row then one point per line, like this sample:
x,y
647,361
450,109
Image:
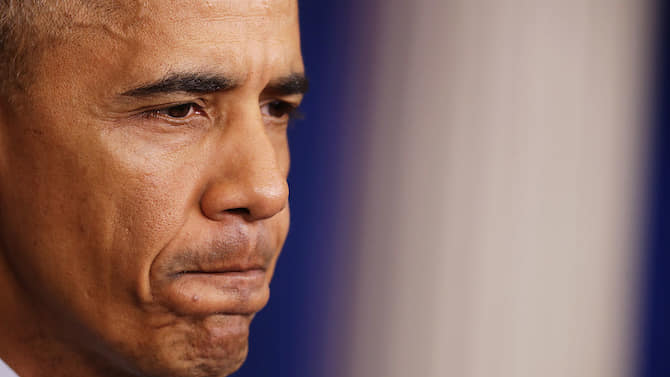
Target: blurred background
x,y
479,188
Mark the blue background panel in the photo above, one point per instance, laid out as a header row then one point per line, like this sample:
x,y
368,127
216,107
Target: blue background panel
x,y
655,349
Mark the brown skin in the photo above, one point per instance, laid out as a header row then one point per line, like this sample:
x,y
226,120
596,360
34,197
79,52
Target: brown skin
x,y
107,199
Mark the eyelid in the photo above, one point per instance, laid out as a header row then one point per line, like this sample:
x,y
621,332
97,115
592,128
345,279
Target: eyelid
x,y
294,99
151,113
166,105
294,111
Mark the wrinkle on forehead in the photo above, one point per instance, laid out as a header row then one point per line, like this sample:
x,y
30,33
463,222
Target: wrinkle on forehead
x,y
113,17
119,18
251,7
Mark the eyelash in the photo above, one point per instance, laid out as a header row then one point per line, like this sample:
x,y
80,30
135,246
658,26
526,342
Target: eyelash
x,y
191,107
286,109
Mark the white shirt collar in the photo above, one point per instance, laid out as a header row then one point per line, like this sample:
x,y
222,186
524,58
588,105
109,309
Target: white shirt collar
x,y
6,371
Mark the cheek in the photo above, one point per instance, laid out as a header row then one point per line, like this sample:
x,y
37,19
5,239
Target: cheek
x,y
157,193
279,140
85,216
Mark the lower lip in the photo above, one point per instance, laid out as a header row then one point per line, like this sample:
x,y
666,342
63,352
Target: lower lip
x,y
206,293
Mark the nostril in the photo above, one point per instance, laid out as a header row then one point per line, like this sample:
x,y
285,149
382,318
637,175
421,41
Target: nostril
x,y
239,211
251,198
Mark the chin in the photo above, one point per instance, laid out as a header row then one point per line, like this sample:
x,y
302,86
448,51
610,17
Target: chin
x,y
213,346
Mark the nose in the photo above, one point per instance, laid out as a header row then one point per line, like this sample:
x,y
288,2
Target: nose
x,y
250,176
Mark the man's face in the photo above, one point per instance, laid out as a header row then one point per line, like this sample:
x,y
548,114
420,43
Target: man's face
x,y
143,180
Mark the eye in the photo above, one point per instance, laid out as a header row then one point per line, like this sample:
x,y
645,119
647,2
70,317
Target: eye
x,y
177,112
280,110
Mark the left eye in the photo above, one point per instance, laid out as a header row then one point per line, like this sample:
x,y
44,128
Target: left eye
x,y
177,112
278,109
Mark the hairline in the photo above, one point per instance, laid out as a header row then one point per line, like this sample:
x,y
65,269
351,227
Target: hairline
x,y
28,25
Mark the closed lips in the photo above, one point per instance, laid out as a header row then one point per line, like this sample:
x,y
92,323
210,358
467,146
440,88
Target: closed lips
x,y
228,292
227,279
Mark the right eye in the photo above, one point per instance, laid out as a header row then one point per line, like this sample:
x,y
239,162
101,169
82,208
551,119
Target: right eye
x,y
177,112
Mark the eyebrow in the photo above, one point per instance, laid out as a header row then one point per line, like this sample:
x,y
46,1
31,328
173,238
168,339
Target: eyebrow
x,y
199,83
295,83
202,83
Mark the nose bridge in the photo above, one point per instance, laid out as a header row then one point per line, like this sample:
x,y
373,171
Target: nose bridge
x,y
249,178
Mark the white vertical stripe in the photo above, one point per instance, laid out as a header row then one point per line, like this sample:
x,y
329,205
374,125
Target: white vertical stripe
x,y
498,232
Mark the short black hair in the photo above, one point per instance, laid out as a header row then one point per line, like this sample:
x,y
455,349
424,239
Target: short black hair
x,y
15,16
26,27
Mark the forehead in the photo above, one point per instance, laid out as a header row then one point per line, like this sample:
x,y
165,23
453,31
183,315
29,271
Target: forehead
x,y
144,39
118,15
261,13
